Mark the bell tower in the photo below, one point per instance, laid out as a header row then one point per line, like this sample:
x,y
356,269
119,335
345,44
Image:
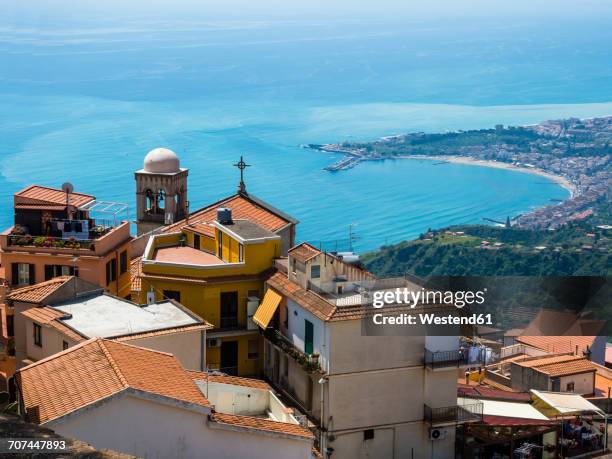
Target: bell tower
x,y
161,190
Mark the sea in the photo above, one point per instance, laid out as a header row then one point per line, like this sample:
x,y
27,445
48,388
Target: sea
x,y
82,100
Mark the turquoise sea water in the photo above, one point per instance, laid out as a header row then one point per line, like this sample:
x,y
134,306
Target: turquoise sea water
x,y
84,101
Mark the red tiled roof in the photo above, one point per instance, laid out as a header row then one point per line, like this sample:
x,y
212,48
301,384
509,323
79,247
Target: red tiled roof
x,y
559,365
200,227
493,394
558,344
510,421
49,316
136,273
243,207
232,380
35,195
321,308
304,252
251,422
38,292
97,369
166,331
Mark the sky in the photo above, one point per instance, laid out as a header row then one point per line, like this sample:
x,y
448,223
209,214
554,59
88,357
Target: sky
x,y
406,9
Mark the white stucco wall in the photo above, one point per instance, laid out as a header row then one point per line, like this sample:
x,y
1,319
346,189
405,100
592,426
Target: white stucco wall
x,y
52,341
296,329
149,429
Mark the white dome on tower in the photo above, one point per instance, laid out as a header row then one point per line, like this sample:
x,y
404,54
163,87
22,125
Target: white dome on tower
x,y
162,161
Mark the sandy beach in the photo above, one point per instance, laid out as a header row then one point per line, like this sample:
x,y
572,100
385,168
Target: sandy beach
x,y
562,181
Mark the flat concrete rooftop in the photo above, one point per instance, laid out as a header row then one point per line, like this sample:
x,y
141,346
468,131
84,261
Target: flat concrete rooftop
x,y
106,316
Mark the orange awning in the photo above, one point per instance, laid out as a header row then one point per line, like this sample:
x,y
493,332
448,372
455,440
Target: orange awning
x,y
267,308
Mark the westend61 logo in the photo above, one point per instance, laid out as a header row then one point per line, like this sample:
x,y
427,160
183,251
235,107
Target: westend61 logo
x,y
413,298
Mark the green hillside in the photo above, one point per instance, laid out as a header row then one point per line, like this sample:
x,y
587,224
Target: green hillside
x,y
578,248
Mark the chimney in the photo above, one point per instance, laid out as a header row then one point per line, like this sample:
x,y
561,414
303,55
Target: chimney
x,y
224,215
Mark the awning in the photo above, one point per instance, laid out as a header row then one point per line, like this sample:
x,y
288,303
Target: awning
x,y
554,404
267,308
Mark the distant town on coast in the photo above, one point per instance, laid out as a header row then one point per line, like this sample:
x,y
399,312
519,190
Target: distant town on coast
x,y
576,153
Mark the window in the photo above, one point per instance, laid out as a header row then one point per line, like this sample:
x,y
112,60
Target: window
x,y
123,262
229,309
368,434
240,253
111,271
253,352
569,387
308,336
315,271
37,335
64,345
172,295
52,271
23,274
196,241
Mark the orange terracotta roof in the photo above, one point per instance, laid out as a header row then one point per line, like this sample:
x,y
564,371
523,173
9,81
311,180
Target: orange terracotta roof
x,y
251,422
37,293
558,344
136,273
243,207
97,369
309,300
201,227
44,315
167,331
232,380
559,365
304,252
602,384
42,195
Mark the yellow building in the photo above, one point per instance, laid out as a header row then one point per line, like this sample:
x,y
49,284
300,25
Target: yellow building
x,y
215,262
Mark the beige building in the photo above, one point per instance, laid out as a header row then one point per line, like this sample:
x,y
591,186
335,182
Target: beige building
x,y
51,317
142,402
370,396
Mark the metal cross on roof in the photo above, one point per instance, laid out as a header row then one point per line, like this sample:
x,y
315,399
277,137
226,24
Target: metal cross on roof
x,y
242,166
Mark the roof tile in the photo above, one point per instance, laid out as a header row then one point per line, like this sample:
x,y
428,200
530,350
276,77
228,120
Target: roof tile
x,y
42,195
64,382
38,292
262,424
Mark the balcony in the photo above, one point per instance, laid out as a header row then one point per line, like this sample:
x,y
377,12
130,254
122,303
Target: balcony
x,y
455,414
309,363
455,358
99,241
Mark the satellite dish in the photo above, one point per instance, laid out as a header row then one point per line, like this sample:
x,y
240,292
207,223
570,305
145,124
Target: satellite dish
x,y
67,188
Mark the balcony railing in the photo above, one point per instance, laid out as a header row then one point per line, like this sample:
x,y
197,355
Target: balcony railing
x,y
229,322
50,242
455,414
309,363
446,359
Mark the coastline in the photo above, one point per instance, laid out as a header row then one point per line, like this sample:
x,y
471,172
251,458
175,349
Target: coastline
x,y
558,179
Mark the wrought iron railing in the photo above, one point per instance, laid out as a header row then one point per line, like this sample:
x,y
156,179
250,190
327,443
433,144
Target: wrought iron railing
x,y
309,363
453,358
229,322
454,414
50,242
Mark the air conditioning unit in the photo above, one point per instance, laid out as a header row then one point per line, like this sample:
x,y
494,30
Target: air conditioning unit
x,y
437,434
214,342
